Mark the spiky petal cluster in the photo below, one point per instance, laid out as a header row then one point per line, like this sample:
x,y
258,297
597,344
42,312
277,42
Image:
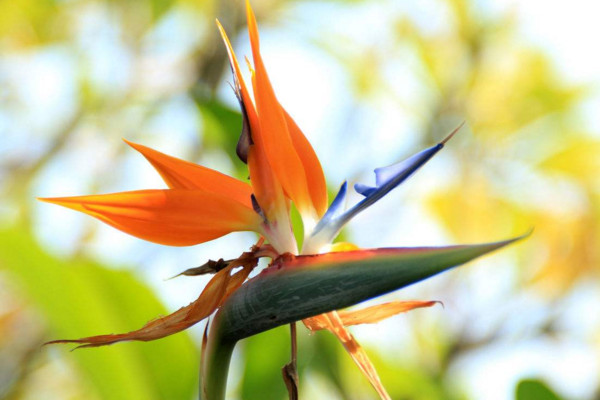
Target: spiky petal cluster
x,y
201,204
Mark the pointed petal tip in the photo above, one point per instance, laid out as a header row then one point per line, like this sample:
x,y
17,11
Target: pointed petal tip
x,y
69,202
129,142
223,33
249,10
135,146
144,150
451,135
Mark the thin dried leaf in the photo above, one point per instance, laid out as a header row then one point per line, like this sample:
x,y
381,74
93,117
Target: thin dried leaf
x,y
221,286
206,304
370,315
334,324
209,267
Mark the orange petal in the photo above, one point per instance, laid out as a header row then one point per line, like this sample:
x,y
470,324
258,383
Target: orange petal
x,y
312,166
371,315
239,80
332,322
267,189
278,144
250,119
180,174
173,217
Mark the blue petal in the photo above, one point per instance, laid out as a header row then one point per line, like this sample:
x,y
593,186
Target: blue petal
x,y
391,173
388,178
335,209
384,175
364,189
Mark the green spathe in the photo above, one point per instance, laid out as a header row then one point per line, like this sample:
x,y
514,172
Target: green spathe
x,y
305,286
312,285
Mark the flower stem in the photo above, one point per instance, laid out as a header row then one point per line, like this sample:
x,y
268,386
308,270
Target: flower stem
x,y
294,342
214,367
290,370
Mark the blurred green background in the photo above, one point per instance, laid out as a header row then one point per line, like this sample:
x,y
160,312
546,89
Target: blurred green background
x,y
369,82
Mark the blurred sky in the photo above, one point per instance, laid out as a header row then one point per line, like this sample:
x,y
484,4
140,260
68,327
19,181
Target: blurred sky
x,y
568,31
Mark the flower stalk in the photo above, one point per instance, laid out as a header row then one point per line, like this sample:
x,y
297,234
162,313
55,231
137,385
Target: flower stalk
x,y
290,370
214,366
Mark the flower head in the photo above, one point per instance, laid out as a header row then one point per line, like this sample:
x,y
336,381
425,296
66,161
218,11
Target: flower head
x,y
201,204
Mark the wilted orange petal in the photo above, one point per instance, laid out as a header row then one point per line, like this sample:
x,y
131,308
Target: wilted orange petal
x,y
333,323
279,148
210,298
173,217
371,315
236,281
180,174
214,294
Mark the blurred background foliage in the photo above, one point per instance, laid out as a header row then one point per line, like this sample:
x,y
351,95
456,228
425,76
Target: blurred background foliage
x,y
361,77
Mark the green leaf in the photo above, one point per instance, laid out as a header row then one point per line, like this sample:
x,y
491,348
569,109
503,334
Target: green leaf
x,y
81,298
531,389
310,285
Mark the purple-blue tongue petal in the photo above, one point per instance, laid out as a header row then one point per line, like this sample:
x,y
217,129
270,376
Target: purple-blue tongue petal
x,y
364,189
388,178
393,175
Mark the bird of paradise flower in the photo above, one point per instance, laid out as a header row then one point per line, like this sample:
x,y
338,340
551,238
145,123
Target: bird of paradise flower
x,y
202,204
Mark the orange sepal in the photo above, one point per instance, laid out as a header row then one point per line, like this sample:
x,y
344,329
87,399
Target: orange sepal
x,y
214,294
315,177
267,188
370,315
174,217
279,147
181,174
332,322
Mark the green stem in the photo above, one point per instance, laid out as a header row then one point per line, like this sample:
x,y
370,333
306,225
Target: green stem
x,y
214,366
